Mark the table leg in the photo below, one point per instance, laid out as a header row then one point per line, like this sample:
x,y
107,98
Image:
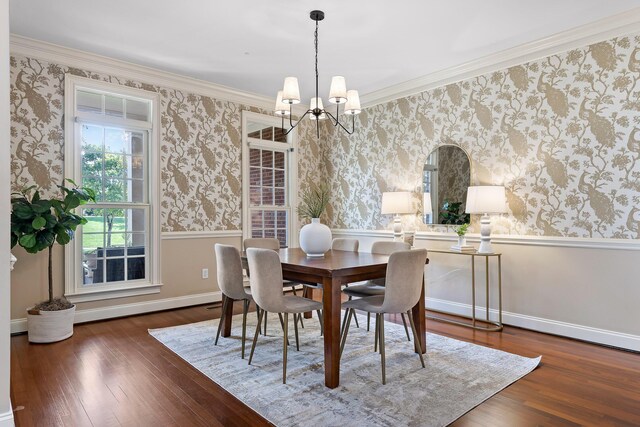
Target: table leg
x,y
418,315
308,293
228,314
331,317
486,269
473,290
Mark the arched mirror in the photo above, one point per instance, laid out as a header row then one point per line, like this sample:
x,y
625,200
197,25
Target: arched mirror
x,y
445,179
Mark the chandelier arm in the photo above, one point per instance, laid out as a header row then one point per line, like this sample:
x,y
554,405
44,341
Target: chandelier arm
x,y
341,125
294,125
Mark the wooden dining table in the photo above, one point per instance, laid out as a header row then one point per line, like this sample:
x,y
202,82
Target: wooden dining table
x,y
336,269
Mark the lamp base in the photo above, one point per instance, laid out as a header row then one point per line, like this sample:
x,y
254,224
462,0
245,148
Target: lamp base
x,y
485,235
397,228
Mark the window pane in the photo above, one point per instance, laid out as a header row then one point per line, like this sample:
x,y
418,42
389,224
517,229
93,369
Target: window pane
x,y
269,219
116,140
254,176
254,157
92,138
267,159
256,233
267,177
279,135
138,110
279,199
89,102
256,219
278,178
282,219
255,196
281,235
115,269
279,159
267,196
113,106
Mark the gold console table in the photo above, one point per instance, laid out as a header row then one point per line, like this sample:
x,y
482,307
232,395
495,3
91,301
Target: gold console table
x,y
485,324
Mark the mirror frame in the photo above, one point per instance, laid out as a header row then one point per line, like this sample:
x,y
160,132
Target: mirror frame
x,y
446,144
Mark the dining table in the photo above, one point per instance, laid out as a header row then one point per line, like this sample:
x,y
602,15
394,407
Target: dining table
x,y
334,270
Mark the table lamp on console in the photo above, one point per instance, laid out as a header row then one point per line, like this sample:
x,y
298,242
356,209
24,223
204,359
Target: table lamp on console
x,y
485,200
397,203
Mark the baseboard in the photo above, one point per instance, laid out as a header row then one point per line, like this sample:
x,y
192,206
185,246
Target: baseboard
x,y
571,330
90,315
6,419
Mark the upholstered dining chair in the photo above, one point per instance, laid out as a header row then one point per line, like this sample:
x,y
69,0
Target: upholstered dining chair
x,y
403,285
377,286
273,244
266,289
230,281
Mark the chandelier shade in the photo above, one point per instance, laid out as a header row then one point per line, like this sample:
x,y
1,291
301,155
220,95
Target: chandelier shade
x,y
338,94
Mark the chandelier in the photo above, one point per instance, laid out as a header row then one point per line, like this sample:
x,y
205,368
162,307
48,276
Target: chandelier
x,y
338,94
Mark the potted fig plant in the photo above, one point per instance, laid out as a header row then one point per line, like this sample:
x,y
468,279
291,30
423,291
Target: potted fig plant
x,y
315,238
36,225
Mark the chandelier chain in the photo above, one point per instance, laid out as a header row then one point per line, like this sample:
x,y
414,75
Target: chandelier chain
x,y
316,46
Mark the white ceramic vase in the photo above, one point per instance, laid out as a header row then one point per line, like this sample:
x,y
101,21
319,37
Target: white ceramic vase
x,y
462,240
315,239
50,326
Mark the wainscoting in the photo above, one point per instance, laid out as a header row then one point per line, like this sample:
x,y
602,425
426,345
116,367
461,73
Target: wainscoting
x,y
579,288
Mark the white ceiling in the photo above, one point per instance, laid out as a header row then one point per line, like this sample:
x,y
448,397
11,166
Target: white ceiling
x,y
253,44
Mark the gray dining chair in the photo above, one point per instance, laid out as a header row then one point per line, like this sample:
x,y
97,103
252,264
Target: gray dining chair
x,y
231,284
403,287
266,289
377,286
273,244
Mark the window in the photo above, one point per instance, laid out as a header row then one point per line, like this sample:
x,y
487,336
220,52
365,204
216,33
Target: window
x,y
269,171
113,149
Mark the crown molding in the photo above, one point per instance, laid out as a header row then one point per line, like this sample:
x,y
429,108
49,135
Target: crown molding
x,y
603,29
101,64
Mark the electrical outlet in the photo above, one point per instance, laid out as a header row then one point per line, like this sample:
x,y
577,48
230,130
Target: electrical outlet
x,y
205,273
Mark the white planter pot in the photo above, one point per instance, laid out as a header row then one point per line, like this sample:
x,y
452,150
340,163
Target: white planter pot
x,y
462,240
315,239
50,326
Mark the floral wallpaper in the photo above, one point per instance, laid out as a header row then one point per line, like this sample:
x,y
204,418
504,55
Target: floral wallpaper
x,y
200,146
561,133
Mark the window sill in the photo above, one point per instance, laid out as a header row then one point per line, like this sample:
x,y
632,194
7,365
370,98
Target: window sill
x,y
120,292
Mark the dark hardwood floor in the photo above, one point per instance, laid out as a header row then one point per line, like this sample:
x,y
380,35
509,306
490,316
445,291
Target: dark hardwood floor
x,y
114,373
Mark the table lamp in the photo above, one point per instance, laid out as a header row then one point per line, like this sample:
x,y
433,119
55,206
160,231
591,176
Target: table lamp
x,y
396,203
485,200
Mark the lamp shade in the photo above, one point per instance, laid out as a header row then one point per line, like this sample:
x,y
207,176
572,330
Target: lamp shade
x,y
485,199
352,107
291,91
317,103
396,202
338,90
281,109
426,204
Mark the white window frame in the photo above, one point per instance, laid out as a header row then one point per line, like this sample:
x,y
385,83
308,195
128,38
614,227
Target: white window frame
x,y
74,290
291,157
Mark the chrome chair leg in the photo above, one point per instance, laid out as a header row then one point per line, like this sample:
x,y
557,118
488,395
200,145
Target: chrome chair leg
x,y
255,336
368,321
285,344
406,330
245,309
295,329
349,313
377,334
224,309
382,360
415,337
265,325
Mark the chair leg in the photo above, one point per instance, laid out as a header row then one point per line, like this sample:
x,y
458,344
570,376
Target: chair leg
x,y
285,344
406,330
295,329
255,336
265,325
346,329
299,315
224,309
415,337
368,321
321,322
245,309
293,289
344,322
381,329
377,334
356,319
282,325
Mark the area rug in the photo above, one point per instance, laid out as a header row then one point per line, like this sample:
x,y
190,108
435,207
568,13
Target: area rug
x,y
458,376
